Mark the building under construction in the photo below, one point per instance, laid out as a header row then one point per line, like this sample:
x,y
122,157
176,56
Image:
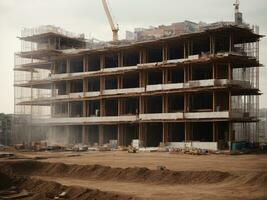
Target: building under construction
x,y
198,84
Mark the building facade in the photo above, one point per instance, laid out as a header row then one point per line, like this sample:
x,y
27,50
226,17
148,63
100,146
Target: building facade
x,y
198,87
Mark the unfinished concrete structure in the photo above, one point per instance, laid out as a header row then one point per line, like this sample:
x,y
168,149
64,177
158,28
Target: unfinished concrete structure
x,y
200,87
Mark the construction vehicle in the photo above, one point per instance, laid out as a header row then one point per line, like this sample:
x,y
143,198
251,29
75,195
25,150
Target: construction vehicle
x,y
114,27
131,149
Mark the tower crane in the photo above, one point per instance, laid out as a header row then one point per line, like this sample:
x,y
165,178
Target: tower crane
x,y
114,27
238,14
236,5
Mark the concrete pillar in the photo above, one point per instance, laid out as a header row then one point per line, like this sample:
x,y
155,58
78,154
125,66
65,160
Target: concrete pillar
x,y
186,102
185,49
165,136
230,103
231,42
120,59
101,135
230,77
142,78
190,76
102,107
102,61
68,87
68,66
214,71
142,133
165,103
165,53
212,44
165,76
85,85
85,109
213,102
102,84
120,135
85,135
85,63
67,128
214,136
69,109
187,131
141,104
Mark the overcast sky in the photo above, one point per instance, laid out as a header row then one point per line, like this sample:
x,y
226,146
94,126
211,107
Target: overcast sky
x,y
87,16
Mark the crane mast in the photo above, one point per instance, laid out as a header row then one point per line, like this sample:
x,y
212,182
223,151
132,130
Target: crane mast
x,y
114,28
238,14
236,5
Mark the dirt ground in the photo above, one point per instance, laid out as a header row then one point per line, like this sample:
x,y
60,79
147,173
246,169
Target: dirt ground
x,y
135,176
180,162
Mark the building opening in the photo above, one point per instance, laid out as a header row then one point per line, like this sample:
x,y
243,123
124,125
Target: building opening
x,y
176,132
154,134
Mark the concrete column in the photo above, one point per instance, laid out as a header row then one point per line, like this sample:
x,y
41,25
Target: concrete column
x,y
165,76
102,107
68,66
102,84
121,106
213,102
142,78
142,133
165,53
165,103
120,135
189,47
185,73
186,103
214,132
85,63
69,109
120,59
214,71
187,131
141,56
85,108
185,49
68,134
190,77
141,105
230,71
102,61
85,135
230,132
85,85
165,136
230,103
212,44
101,135
231,42
68,87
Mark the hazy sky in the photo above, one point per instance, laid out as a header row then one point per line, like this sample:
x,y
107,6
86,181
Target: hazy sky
x,y
87,16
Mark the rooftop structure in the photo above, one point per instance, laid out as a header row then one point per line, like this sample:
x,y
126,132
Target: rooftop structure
x,y
199,86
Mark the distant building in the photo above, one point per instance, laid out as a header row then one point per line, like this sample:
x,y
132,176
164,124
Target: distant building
x,y
263,126
5,129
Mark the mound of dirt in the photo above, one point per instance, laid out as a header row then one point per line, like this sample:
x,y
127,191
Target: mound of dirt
x,y
99,172
39,189
5,182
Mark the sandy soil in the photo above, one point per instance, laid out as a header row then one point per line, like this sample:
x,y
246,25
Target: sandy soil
x,y
167,192
247,177
152,160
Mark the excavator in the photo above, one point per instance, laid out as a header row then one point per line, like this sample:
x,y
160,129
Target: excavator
x,y
114,27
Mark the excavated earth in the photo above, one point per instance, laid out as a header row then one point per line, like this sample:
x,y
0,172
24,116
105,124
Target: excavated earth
x,y
45,180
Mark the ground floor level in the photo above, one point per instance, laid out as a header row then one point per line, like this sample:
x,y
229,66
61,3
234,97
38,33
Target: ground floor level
x,y
150,134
